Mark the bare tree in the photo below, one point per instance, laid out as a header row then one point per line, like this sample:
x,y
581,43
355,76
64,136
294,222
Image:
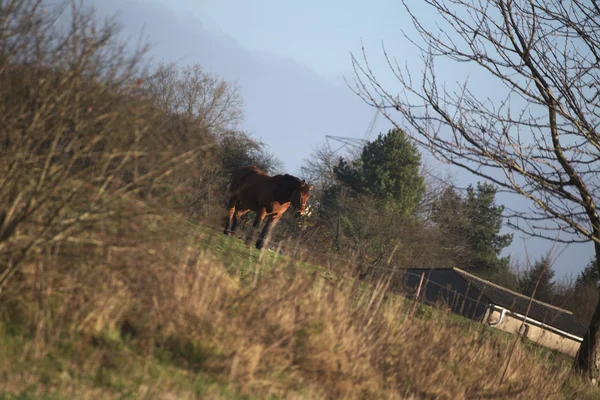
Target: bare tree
x,y
542,141
436,183
319,168
212,102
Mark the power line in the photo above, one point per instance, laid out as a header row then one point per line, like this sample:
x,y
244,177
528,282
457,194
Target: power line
x,y
350,141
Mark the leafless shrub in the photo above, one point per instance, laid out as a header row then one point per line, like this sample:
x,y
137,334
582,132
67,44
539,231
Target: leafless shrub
x,y
201,109
77,137
211,102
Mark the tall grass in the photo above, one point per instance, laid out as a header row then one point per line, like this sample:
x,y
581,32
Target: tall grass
x,y
289,334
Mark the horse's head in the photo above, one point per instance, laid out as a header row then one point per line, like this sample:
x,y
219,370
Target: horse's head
x,y
300,198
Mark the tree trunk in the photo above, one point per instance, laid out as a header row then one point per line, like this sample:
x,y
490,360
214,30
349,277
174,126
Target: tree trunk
x,y
587,360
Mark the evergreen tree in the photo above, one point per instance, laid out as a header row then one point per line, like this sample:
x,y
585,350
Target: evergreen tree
x,y
484,224
545,287
584,296
388,169
449,213
589,275
470,227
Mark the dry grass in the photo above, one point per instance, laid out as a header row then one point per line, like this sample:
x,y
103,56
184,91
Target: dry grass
x,y
170,306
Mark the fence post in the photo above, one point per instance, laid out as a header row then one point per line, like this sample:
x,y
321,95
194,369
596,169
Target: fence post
x,y
417,296
462,306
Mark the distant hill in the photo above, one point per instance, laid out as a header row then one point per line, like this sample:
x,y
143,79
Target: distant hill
x,y
288,105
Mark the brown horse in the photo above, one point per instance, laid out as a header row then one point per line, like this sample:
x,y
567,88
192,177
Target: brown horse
x,y
268,196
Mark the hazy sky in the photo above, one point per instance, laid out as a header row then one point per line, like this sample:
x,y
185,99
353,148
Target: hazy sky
x,y
289,59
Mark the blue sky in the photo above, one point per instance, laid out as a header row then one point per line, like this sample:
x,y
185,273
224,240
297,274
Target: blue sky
x,y
289,59
316,33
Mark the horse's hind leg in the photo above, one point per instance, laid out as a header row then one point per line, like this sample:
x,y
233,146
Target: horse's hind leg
x,y
231,207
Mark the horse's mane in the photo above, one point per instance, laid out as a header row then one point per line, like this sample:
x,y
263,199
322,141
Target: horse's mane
x,y
285,187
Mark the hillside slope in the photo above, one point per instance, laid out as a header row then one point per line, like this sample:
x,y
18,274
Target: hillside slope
x,y
174,323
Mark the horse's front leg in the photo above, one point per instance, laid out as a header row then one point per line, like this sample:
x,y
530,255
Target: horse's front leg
x,y
239,211
260,215
231,207
265,235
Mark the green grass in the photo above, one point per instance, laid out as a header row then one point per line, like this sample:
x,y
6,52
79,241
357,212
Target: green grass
x,y
246,260
107,364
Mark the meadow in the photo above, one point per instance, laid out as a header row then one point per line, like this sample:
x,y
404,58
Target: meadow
x,y
202,316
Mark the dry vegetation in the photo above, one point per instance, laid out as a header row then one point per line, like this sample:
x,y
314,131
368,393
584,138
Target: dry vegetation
x,y
106,293
112,323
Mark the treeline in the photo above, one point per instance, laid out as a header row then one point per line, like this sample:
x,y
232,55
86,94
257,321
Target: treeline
x,y
377,209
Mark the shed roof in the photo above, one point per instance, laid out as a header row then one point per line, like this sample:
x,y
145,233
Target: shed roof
x,y
543,312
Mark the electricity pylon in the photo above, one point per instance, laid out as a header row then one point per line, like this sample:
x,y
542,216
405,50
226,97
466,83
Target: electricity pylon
x,y
352,142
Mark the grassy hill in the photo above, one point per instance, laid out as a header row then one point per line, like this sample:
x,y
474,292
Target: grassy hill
x,y
202,316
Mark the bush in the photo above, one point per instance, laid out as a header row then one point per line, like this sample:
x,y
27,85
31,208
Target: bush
x,y
78,137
